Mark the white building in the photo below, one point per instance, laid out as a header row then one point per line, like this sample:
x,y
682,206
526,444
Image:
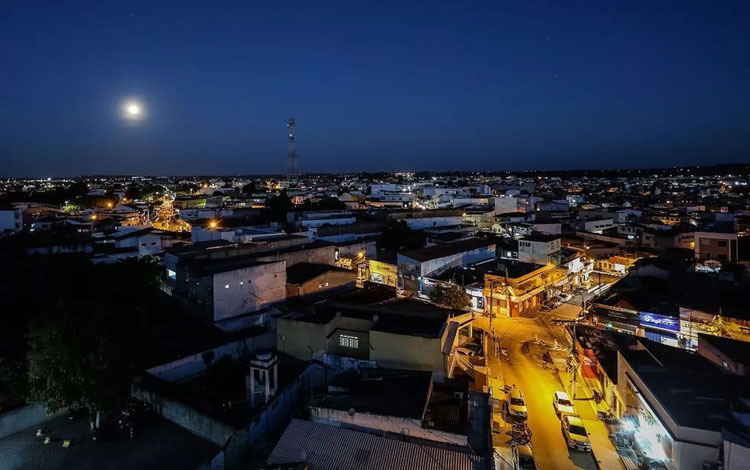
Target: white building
x,y
539,249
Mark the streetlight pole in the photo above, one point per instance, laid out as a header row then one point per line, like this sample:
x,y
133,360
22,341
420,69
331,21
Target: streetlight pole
x,y
573,358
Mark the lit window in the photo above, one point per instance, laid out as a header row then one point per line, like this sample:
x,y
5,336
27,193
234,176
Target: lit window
x,y
226,286
171,274
242,283
349,341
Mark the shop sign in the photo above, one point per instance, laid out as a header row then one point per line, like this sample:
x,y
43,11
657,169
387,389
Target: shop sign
x,y
664,322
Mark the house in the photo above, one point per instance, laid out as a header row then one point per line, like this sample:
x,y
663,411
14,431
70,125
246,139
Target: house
x,y
232,287
716,246
414,265
596,225
396,333
515,288
539,248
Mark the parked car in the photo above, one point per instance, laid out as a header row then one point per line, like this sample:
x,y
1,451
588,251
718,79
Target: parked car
x,y
516,404
575,433
562,404
523,458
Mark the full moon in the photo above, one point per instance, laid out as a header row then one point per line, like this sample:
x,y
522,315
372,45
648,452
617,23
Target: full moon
x,y
132,110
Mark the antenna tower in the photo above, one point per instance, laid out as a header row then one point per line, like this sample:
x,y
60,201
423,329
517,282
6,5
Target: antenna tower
x,y
291,156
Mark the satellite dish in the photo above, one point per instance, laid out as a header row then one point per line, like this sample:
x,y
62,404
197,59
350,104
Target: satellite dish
x,y
351,412
375,318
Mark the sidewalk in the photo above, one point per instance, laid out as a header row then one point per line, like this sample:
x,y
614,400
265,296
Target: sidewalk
x,y
604,451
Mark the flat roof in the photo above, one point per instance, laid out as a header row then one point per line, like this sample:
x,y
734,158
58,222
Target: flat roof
x,y
694,392
447,249
541,237
401,393
302,272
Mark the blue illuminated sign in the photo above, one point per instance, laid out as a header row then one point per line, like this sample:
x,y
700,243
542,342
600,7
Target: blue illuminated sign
x,y
664,322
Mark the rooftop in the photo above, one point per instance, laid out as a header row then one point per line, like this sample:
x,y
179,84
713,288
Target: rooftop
x,y
448,249
325,447
400,393
302,272
691,389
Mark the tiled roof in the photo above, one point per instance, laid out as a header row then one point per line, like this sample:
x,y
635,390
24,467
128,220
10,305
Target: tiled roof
x,y
333,448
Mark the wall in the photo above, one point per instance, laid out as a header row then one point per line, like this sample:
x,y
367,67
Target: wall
x,y
194,364
428,222
393,424
383,273
22,418
320,255
294,337
736,457
250,289
438,265
325,281
8,221
184,415
407,352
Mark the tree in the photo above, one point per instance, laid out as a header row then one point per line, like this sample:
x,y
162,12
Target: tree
x,y
12,383
451,296
80,355
398,236
279,206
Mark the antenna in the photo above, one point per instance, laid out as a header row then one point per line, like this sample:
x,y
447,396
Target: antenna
x,y
291,156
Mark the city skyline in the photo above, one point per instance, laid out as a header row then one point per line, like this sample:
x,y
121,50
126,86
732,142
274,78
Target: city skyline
x,y
152,89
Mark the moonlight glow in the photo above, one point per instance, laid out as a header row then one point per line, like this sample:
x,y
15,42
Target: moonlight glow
x,y
132,110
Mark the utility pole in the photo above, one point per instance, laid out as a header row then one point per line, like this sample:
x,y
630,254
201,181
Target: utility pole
x,y
572,358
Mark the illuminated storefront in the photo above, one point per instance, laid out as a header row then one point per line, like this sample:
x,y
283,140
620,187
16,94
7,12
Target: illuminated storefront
x,y
651,438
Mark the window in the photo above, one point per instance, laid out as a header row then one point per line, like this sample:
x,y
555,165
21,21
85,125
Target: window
x,y
348,341
226,286
722,243
171,274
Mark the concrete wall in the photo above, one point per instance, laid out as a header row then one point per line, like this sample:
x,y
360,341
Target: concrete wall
x,y
324,282
736,457
320,255
302,340
22,418
429,222
393,424
194,364
407,352
248,289
185,416
438,265
7,221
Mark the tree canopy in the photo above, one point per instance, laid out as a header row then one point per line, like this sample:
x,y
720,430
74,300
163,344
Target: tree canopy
x,y
450,296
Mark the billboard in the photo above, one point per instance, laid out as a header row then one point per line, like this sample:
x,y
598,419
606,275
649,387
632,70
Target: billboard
x,y
653,320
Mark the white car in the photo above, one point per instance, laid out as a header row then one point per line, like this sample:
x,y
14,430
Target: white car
x,y
523,459
562,404
575,433
516,404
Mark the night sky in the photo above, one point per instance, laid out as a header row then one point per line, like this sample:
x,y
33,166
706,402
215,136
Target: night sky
x,y
375,85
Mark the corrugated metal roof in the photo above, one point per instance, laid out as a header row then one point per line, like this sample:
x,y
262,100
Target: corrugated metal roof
x,y
325,447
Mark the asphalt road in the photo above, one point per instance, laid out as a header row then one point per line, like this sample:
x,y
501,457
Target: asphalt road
x,y
524,369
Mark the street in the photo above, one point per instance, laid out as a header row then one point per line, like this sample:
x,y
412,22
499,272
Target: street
x,y
538,380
